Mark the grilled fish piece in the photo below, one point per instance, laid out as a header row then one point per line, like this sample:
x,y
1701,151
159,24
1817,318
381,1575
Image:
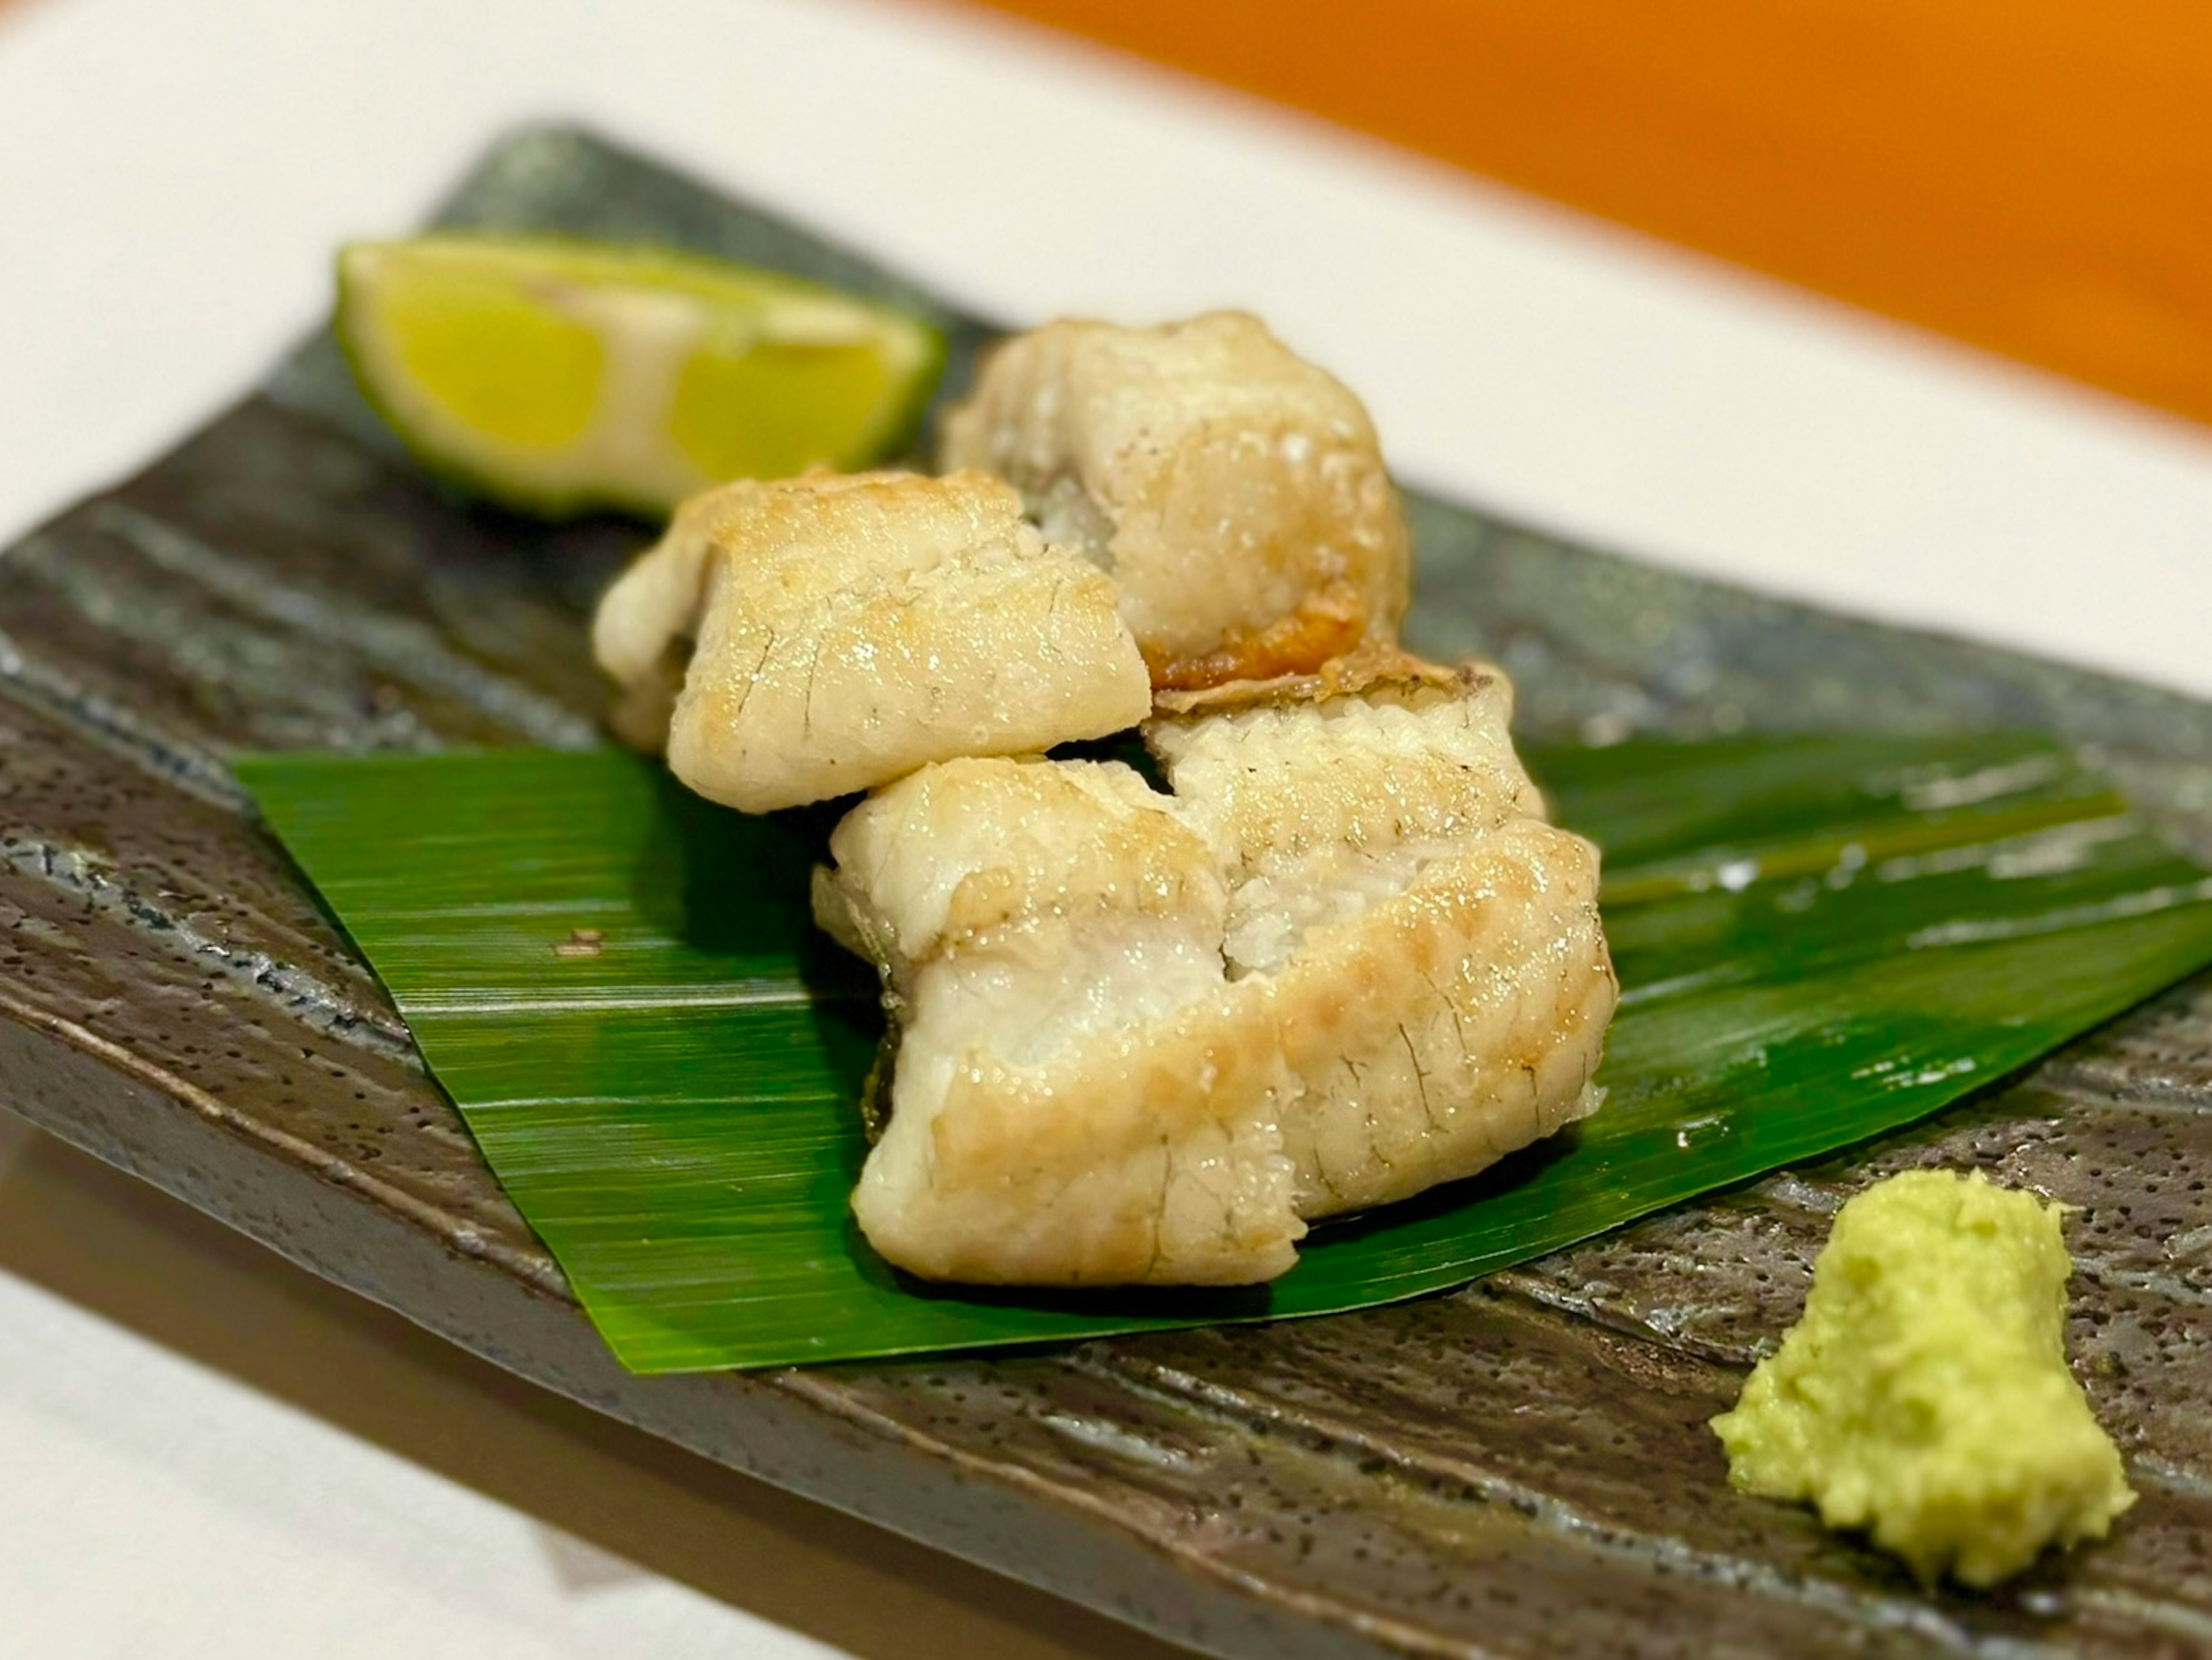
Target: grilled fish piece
x,y
1236,493
1068,1104
1141,1037
1431,945
801,639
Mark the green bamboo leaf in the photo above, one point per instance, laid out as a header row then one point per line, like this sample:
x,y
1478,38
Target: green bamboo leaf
x,y
1819,939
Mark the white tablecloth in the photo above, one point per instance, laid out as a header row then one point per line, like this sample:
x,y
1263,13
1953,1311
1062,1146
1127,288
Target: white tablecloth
x,y
204,1452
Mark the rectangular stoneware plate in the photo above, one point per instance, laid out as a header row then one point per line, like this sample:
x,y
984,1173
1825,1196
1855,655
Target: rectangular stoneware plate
x,y
1520,1468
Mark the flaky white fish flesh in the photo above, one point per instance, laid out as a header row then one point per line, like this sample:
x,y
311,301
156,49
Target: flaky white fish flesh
x,y
1070,1103
801,639
1236,493
1430,943
1142,1037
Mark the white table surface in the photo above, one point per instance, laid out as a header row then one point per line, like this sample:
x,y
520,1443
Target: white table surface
x,y
205,1452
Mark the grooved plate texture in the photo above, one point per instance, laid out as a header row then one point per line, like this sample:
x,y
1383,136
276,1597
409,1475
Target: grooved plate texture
x,y
1518,1468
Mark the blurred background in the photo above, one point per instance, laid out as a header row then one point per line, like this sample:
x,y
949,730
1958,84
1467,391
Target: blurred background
x,y
1901,307
2033,178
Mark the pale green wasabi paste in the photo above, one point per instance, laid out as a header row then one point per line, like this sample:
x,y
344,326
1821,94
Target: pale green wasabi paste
x,y
1924,1397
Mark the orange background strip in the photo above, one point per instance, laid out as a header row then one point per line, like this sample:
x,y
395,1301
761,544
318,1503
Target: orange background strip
x,y
2034,176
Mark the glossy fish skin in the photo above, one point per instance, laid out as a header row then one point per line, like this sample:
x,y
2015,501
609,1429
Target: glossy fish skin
x,y
1142,1037
1237,494
806,638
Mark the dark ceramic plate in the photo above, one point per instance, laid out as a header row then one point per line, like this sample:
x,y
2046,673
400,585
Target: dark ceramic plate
x,y
1520,1468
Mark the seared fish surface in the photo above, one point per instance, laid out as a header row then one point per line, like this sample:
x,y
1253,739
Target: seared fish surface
x,y
1141,1037
1236,493
1431,945
793,641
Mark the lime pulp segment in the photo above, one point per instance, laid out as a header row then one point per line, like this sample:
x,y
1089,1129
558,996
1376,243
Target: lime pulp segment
x,y
555,376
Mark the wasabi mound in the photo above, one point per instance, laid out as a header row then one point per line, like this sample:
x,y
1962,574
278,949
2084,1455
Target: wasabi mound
x,y
1924,1397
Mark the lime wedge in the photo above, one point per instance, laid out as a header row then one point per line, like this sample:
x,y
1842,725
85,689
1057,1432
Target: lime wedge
x,y
557,376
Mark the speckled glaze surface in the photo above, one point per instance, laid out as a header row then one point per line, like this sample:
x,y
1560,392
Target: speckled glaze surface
x,y
1518,1468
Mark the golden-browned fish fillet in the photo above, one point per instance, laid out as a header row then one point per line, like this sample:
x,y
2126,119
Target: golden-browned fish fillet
x,y
1430,944
1141,1037
797,640
1235,493
1068,1105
